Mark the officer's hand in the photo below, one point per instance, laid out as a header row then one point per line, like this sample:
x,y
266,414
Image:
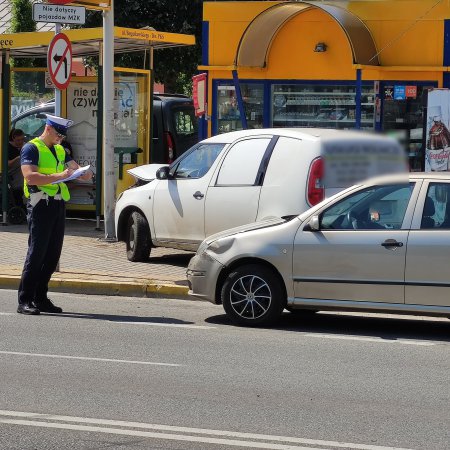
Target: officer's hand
x,y
66,173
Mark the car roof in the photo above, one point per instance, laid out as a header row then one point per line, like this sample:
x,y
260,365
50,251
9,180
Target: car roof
x,y
37,108
308,134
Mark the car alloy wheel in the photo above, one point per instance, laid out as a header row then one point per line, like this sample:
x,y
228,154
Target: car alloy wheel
x,y
253,295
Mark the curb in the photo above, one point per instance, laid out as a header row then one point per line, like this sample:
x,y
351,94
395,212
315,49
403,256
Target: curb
x,y
113,288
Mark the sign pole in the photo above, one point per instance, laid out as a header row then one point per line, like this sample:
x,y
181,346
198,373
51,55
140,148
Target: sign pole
x,y
109,179
57,91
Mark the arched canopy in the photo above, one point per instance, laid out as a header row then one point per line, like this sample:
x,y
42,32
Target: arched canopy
x,y
256,40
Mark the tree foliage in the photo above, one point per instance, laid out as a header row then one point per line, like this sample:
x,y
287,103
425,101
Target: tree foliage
x,y
22,20
174,66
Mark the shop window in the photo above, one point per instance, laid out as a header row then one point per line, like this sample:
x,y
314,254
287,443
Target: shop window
x,y
403,119
321,106
228,116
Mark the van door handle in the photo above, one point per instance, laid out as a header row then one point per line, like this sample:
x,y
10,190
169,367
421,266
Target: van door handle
x,y
391,243
198,195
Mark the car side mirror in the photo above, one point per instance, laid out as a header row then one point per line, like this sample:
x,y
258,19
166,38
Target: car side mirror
x,y
163,173
313,224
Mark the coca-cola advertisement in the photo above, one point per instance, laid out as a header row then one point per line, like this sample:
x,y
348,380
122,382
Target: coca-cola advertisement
x,y
437,149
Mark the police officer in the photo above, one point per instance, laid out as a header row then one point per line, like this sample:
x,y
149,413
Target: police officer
x,y
44,163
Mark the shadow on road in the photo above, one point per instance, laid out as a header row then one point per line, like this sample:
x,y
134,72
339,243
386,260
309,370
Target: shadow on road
x,y
119,318
175,259
390,327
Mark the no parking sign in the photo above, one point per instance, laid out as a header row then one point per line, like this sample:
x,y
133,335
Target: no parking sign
x,y
59,60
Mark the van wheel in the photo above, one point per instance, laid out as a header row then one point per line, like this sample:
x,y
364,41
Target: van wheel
x,y
138,238
253,295
16,215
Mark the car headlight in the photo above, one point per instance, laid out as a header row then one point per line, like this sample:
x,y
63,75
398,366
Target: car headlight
x,y
218,246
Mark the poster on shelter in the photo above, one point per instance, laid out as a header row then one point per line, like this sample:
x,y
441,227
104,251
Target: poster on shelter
x,y
82,108
437,149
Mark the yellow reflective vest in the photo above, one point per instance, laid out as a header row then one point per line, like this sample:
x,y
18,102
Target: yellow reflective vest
x,y
49,165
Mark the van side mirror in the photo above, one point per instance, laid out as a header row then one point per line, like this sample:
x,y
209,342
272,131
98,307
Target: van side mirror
x,y
163,173
313,224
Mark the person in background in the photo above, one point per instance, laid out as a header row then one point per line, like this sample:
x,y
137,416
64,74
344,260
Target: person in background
x,y
15,144
45,163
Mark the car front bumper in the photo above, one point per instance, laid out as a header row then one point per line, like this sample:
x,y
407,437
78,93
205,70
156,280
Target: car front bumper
x,y
202,275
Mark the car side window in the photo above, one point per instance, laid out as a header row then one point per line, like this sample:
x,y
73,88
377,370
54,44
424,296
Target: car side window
x,y
436,210
241,164
197,162
375,208
185,122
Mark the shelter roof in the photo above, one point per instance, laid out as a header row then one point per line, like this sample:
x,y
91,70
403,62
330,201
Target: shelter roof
x,y
85,41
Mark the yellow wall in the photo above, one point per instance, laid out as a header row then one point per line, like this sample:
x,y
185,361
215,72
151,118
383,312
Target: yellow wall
x,y
406,33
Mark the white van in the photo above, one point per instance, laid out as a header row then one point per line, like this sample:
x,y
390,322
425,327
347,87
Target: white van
x,y
245,176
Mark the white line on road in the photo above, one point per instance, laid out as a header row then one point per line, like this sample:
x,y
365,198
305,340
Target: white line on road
x,y
7,314
174,325
50,419
85,358
368,339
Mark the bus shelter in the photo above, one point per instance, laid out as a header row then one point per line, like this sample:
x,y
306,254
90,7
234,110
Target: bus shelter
x,y
82,102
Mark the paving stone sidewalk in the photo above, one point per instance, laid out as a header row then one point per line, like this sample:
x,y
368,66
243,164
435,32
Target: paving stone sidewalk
x,y
90,265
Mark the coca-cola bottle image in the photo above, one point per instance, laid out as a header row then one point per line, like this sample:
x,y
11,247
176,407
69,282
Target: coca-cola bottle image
x,y
438,142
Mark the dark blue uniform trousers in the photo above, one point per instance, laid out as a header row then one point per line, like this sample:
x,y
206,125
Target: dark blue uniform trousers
x,y
46,222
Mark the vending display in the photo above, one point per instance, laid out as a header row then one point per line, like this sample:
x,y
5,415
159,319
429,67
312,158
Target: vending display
x,y
321,106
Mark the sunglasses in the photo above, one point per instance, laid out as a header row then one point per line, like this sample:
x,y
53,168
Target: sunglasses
x,y
61,136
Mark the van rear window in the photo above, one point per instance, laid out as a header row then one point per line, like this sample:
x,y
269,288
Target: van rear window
x,y
348,163
185,121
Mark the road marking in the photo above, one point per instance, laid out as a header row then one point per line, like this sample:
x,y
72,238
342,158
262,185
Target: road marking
x,y
7,314
174,325
85,358
48,421
369,339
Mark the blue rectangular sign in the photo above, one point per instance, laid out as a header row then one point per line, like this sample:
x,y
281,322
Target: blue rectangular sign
x,y
399,92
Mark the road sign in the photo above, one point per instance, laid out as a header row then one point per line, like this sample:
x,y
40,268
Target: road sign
x,y
48,81
44,12
59,60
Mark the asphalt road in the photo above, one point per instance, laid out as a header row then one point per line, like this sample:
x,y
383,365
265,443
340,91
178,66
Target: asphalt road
x,y
126,373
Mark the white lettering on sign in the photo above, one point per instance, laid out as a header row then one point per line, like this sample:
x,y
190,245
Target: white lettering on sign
x,y
43,12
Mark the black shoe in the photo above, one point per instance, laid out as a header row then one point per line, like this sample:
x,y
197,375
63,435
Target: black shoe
x,y
28,309
47,306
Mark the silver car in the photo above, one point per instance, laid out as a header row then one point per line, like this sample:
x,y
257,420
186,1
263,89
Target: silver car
x,y
380,246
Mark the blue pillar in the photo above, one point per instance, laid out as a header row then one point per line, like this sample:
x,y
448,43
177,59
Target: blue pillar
x,y
446,59
203,123
239,100
358,99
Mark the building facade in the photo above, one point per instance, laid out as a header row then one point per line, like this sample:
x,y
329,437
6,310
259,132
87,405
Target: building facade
x,y
335,64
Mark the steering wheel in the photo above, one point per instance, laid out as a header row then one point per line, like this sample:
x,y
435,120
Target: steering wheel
x,y
352,219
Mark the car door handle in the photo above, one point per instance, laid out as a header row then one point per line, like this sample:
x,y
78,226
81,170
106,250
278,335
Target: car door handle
x,y
390,243
198,195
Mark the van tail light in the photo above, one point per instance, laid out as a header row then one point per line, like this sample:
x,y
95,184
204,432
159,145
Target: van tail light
x,y
316,191
170,148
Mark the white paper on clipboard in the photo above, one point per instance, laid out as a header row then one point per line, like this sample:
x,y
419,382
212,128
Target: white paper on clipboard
x,y
78,173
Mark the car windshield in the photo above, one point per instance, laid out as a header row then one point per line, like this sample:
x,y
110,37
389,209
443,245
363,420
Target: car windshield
x,y
196,162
